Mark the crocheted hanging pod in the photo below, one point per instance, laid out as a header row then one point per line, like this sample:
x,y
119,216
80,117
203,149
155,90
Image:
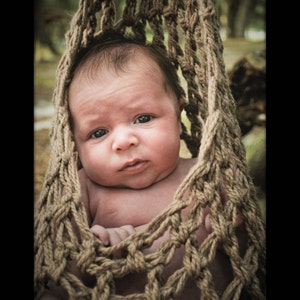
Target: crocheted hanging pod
x,y
189,33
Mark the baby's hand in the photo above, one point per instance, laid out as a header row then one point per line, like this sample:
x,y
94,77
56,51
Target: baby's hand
x,y
208,226
240,232
112,236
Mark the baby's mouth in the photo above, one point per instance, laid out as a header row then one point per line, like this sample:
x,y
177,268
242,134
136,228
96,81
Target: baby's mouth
x,y
134,166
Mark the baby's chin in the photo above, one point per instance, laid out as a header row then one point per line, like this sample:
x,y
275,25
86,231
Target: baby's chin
x,y
137,184
133,186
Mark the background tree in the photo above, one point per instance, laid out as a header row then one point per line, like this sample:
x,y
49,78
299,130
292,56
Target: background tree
x,y
52,17
51,20
237,16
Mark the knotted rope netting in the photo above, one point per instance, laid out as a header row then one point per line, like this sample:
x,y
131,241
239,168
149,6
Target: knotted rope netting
x,y
188,30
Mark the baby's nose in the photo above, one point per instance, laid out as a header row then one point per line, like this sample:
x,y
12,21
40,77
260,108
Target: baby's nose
x,y
124,139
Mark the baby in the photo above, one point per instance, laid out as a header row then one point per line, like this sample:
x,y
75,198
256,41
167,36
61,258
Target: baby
x,y
125,102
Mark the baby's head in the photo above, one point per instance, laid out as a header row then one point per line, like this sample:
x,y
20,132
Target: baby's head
x,y
113,50
125,102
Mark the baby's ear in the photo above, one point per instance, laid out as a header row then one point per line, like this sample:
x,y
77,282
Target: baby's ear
x,y
181,104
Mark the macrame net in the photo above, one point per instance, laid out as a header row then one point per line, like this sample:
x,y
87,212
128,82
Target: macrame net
x,y
189,32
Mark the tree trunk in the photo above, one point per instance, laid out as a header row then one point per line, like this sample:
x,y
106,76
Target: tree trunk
x,y
239,14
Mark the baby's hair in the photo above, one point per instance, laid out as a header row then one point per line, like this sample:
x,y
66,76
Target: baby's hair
x,y
116,49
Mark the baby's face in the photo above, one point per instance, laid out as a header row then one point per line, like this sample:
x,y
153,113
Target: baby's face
x,y
126,128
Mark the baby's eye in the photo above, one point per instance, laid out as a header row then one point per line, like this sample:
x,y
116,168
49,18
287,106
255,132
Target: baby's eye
x,y
143,119
99,133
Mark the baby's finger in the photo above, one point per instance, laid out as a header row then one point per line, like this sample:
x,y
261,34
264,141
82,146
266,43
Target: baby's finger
x,y
127,230
116,235
101,233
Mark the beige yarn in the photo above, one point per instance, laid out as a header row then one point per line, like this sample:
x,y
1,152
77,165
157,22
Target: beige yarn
x,y
189,32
